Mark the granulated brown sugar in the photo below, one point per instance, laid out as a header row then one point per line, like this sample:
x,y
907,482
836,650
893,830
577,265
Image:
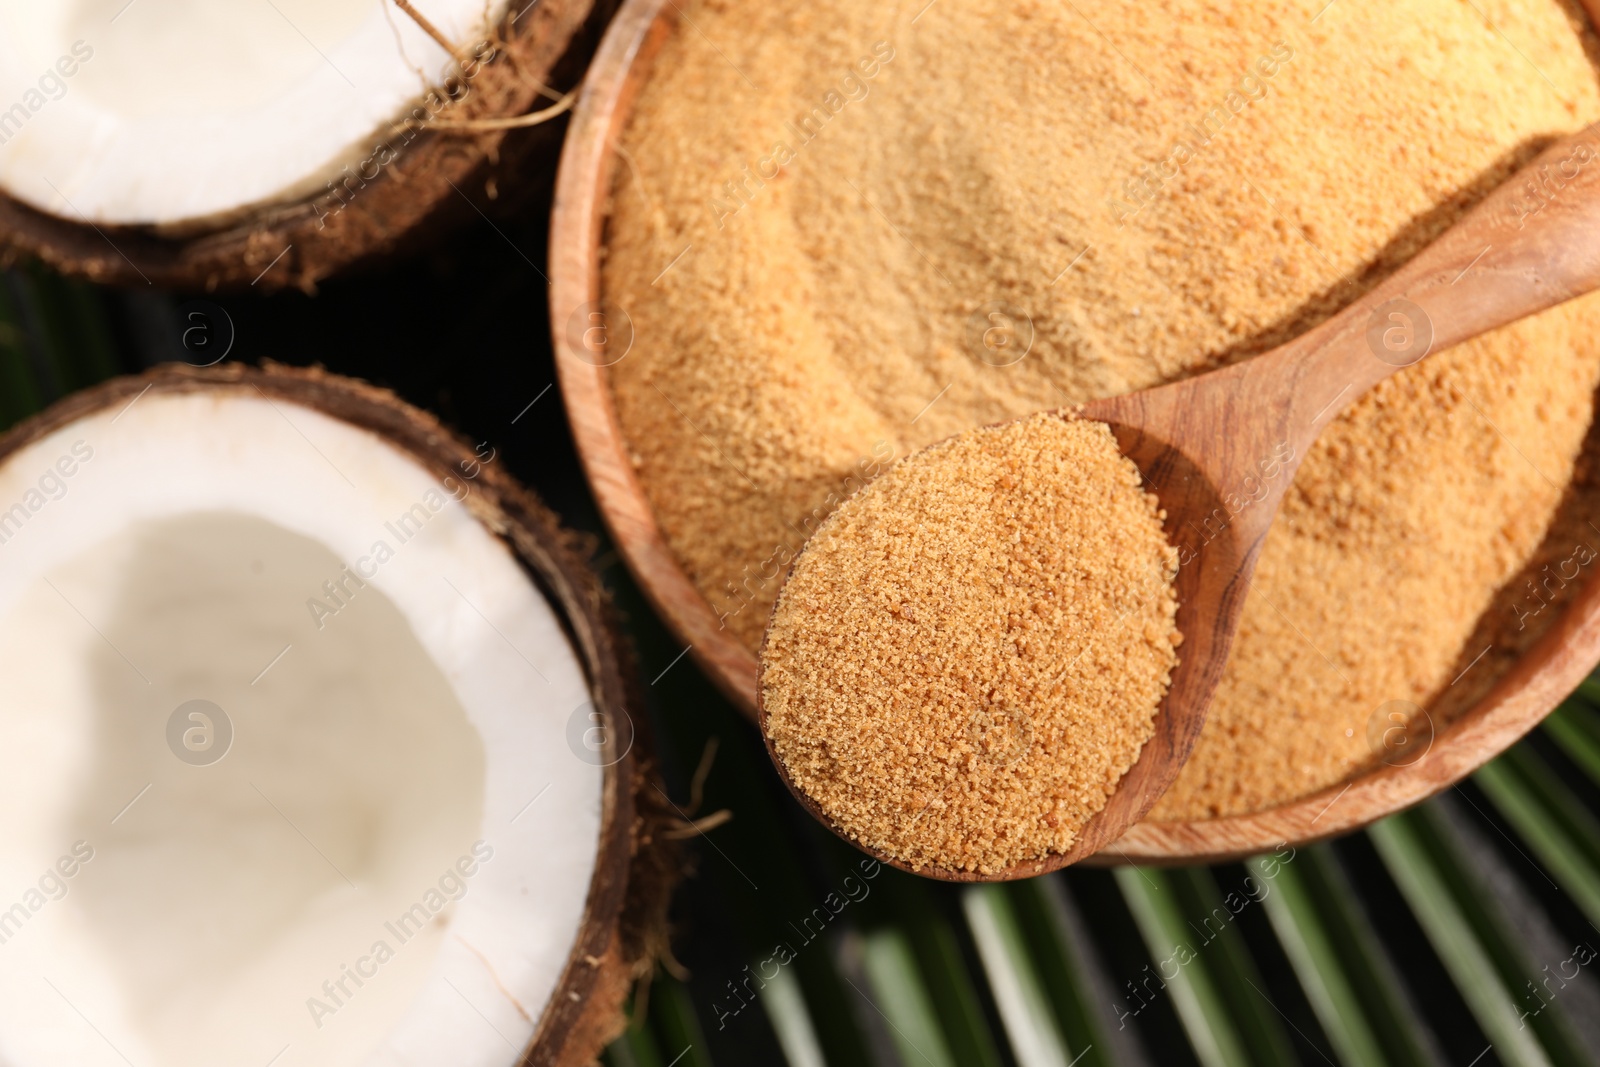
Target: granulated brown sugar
x,y
969,654
835,251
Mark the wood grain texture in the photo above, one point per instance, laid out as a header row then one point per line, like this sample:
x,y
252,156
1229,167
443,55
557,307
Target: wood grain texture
x,y
1319,389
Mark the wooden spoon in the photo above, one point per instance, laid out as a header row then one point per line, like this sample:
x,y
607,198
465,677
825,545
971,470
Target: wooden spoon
x,y
1220,450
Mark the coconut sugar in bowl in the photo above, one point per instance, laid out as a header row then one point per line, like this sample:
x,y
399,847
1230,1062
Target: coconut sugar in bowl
x,y
951,247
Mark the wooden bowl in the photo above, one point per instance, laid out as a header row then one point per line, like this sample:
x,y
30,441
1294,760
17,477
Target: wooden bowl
x,y
1539,680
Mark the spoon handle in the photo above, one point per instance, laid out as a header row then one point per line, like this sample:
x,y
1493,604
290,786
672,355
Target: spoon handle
x,y
1531,244
1220,449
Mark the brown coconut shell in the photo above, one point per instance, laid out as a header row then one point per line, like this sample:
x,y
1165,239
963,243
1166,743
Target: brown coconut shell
x,y
623,931
416,182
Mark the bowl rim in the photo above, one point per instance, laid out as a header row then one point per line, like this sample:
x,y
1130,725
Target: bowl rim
x,y
1541,677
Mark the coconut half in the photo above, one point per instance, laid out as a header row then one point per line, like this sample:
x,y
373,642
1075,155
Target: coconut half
x,y
317,748
189,143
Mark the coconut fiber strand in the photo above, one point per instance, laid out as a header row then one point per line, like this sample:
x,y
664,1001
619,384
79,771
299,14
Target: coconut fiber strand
x,y
847,231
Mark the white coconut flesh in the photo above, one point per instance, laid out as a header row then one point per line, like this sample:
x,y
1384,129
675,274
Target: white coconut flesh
x,y
172,112
388,865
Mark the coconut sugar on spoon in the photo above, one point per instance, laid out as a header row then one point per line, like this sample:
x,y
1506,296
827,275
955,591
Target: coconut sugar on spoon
x,y
970,653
